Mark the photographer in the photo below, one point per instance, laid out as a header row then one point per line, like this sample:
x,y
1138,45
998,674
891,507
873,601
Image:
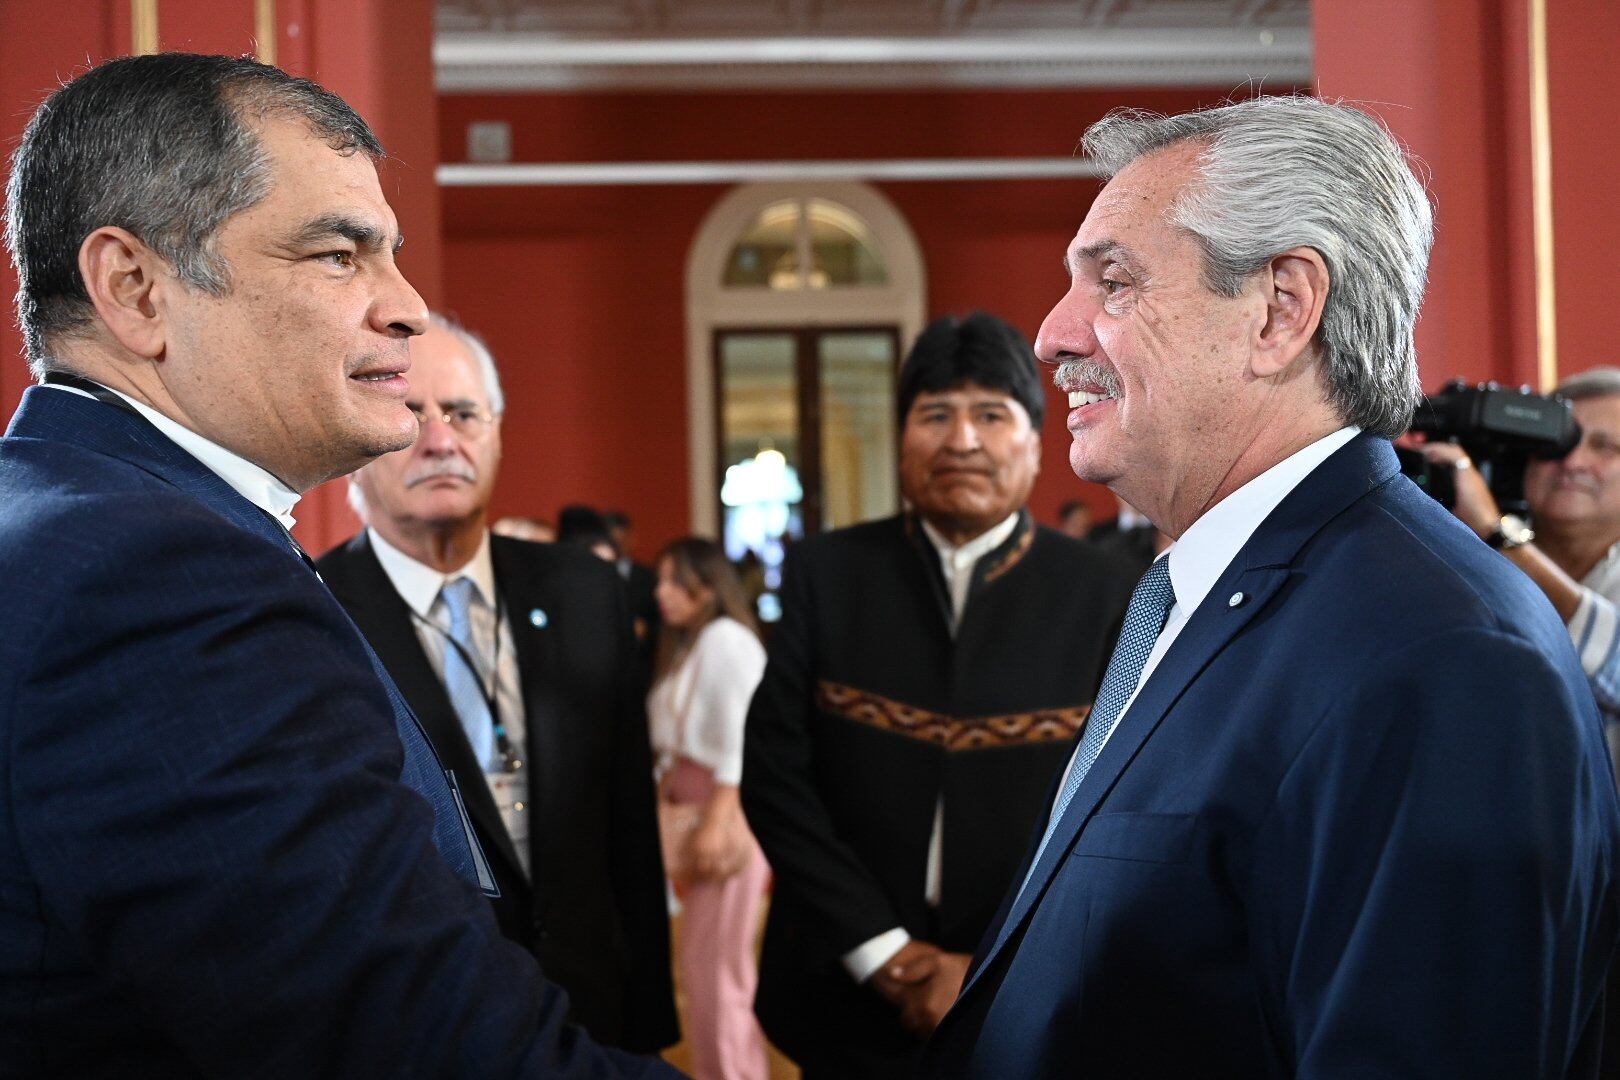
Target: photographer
x,y
1573,552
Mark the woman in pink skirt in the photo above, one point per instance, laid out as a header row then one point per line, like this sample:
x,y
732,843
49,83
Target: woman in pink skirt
x,y
709,660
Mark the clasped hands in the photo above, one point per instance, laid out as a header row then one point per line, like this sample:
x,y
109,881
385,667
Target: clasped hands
x,y
922,980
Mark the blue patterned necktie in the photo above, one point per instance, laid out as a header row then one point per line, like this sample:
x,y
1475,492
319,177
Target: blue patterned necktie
x,y
1144,620
462,683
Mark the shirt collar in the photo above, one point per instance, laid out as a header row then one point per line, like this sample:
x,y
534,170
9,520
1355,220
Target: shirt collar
x,y
966,555
255,484
1211,543
419,584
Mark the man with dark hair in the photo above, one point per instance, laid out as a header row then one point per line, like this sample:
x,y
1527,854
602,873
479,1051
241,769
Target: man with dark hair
x,y
584,526
924,684
228,849
1342,808
1074,519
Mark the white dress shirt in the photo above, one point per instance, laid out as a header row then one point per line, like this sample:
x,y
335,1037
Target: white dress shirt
x,y
419,586
248,480
1210,544
697,711
957,562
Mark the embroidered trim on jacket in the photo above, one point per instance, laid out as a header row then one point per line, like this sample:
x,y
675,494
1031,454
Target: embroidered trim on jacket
x,y
951,732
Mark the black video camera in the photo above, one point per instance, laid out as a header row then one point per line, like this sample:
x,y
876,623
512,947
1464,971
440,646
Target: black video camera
x,y
1502,430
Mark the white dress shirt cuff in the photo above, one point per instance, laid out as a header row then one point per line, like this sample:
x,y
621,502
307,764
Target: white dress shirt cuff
x,y
863,961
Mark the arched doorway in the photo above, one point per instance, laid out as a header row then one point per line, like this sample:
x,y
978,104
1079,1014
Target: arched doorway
x,y
800,300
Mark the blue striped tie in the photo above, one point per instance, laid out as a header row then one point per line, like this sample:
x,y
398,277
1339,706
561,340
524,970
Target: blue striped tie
x,y
462,683
1144,619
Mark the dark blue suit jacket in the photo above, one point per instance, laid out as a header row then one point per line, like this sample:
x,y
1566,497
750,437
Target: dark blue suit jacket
x,y
1357,823
209,863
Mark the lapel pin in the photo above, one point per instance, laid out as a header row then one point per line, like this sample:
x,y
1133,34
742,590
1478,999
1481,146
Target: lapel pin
x,y
538,619
1235,599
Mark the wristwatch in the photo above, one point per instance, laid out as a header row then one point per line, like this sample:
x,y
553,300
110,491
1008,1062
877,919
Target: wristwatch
x,y
1511,532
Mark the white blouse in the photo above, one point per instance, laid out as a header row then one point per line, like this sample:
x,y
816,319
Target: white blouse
x,y
710,689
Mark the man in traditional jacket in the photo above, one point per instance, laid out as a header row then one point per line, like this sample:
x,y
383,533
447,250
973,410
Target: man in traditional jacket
x,y
925,684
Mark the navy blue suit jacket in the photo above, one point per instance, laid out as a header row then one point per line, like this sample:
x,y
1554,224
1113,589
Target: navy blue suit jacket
x,y
1358,822
210,861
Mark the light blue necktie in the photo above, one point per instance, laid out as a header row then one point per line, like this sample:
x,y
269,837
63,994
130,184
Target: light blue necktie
x,y
1144,620
462,683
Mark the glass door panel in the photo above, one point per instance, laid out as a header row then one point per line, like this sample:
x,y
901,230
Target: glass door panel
x,y
858,472
761,494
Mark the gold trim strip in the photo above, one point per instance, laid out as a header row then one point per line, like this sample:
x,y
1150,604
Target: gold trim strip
x,y
954,733
1542,201
143,27
264,31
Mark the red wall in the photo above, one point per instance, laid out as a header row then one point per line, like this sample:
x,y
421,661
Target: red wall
x,y
1452,78
1582,38
581,292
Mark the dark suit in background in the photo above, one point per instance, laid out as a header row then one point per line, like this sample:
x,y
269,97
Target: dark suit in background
x,y
595,913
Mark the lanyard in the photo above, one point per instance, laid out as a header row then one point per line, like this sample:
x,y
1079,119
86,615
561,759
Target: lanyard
x,y
511,760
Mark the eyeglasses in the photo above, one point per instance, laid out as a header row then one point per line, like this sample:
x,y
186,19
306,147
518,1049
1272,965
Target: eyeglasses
x,y
465,420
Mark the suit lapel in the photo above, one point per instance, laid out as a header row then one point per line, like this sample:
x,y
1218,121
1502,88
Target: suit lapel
x,y
385,620
523,595
1241,592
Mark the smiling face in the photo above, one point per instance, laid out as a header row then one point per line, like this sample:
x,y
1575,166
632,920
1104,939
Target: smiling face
x,y
1152,360
1581,493
443,481
968,458
300,366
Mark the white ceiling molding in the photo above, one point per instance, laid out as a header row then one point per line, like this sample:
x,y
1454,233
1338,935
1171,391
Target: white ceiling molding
x,y
480,62
609,173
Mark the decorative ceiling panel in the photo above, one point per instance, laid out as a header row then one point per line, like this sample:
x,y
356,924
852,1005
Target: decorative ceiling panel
x,y
689,44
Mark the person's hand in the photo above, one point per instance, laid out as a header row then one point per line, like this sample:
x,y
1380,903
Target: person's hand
x,y
927,1003
711,849
912,965
1476,507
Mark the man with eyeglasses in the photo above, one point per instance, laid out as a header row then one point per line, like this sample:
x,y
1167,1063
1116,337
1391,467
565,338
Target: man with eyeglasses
x,y
520,661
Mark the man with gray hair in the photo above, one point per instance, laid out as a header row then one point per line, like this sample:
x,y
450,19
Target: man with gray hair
x,y
227,847
1342,807
520,661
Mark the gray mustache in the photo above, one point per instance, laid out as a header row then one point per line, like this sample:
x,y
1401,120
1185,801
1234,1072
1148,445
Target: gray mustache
x,y
440,467
1076,373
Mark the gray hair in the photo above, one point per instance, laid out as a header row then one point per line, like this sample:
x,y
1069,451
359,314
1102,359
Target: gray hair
x,y
161,146
1592,383
480,351
1282,172
492,390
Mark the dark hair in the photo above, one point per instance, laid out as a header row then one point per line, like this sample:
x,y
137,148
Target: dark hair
x,y
700,563
616,519
977,348
1071,506
583,525
159,145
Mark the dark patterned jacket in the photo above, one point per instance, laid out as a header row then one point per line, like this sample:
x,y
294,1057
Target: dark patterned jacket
x,y
870,711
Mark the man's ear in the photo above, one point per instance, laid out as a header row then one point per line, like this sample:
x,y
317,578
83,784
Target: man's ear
x,y
121,275
1296,284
